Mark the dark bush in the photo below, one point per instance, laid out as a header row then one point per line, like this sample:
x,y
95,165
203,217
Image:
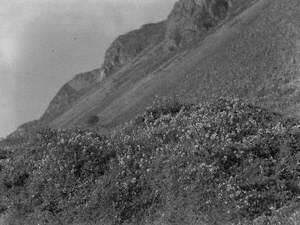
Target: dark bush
x,y
92,120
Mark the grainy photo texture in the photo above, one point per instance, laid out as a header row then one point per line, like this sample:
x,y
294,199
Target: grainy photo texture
x,y
150,112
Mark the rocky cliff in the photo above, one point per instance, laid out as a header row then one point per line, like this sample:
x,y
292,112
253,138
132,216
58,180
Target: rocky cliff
x,y
128,46
191,18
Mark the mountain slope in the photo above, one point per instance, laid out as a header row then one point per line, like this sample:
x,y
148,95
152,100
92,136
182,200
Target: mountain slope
x,y
121,51
128,47
253,55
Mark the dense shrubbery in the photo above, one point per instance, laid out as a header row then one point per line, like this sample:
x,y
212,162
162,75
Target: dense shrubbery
x,y
176,163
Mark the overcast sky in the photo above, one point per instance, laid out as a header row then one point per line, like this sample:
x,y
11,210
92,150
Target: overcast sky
x,y
44,43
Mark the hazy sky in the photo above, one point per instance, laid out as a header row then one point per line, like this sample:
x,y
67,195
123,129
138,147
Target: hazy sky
x,y
44,43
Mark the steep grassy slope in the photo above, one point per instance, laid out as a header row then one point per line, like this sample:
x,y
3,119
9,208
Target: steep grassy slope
x,y
255,56
122,50
138,53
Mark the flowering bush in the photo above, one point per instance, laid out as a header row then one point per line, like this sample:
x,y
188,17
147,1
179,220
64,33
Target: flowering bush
x,y
179,163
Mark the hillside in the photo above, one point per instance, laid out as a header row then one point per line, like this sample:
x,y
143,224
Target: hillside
x,y
222,146
250,50
204,49
132,58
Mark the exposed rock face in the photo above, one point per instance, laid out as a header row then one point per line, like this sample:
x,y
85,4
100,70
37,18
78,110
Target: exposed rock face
x,y
127,47
191,18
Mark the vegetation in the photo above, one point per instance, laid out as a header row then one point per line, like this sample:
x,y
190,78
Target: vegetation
x,y
221,163
92,120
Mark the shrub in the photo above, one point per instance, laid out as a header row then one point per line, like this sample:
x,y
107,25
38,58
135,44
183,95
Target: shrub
x,y
92,120
177,163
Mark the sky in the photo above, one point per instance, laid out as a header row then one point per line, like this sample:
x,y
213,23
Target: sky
x,y
44,43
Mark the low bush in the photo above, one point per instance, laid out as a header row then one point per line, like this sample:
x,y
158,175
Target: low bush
x,y
177,163
92,120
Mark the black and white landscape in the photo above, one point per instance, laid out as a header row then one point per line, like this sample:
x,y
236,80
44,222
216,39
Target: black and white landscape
x,y
193,119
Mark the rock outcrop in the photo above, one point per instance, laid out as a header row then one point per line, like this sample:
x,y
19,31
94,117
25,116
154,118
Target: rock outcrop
x,y
128,46
191,18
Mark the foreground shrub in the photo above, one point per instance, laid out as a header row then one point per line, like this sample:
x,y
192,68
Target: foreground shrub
x,y
177,163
